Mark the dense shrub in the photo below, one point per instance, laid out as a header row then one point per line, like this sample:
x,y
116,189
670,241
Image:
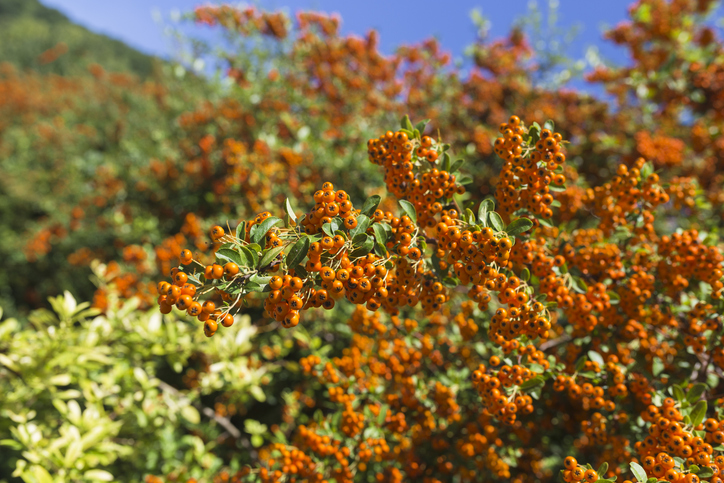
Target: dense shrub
x,y
551,307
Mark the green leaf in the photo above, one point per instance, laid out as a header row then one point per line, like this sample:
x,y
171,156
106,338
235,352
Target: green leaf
x,y
533,383
495,221
363,222
298,252
380,233
363,244
638,472
226,255
258,232
657,366
597,358
705,472
696,391
381,250
519,226
332,226
241,230
486,206
549,124
450,282
469,216
249,257
698,413
455,167
370,205
420,126
382,415
602,469
406,124
409,210
445,166
558,189
98,475
647,170
269,255
191,414
578,285
290,211
525,274
463,180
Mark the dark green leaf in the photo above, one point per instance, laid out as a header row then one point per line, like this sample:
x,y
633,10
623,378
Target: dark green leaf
x,y
469,216
705,472
363,244
382,415
450,282
445,165
455,167
578,285
258,232
420,126
495,221
298,252
380,250
525,274
519,226
249,257
696,391
370,205
533,383
363,222
380,233
463,180
330,228
698,413
406,124
241,230
409,210
226,255
269,255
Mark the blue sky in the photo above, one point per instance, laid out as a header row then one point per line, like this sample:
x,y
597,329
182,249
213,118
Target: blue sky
x,y
398,21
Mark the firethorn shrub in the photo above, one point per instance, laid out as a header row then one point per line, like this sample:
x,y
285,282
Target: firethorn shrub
x,y
484,338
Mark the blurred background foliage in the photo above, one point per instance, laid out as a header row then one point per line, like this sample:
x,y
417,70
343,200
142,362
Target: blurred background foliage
x,y
107,154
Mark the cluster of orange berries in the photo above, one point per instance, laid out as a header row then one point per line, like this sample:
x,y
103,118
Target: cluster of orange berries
x,y
292,462
181,294
527,170
491,388
574,472
411,173
670,437
591,397
626,193
685,257
329,204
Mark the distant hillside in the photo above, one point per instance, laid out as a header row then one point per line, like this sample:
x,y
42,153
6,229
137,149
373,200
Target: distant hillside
x,y
41,38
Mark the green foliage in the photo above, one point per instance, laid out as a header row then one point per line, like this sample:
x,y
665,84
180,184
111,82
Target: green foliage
x,y
28,28
83,397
